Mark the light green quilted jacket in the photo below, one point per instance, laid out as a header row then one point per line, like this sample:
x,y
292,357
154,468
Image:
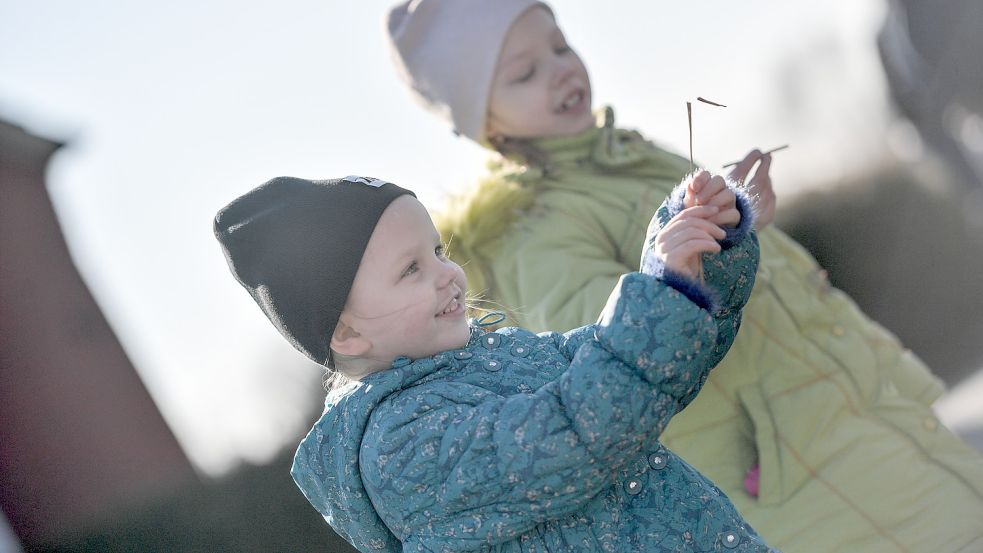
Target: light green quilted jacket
x,y
831,407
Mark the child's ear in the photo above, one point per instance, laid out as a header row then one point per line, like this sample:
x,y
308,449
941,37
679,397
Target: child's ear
x,y
347,341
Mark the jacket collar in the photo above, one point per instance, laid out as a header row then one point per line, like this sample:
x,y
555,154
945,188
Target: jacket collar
x,y
604,145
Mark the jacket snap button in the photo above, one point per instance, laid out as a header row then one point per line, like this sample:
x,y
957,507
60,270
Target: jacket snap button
x,y
658,460
520,351
491,340
730,540
462,355
634,486
492,365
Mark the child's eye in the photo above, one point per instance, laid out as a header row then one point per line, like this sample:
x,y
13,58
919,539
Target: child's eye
x,y
527,75
413,267
440,251
562,49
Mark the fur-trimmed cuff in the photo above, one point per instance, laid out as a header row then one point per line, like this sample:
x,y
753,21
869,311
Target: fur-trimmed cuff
x,y
694,290
745,207
674,202
734,236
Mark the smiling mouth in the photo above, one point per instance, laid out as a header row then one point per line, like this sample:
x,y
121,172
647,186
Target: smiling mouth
x,y
572,100
452,306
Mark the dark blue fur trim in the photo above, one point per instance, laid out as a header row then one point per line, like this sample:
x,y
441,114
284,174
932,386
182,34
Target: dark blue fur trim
x,y
746,208
695,291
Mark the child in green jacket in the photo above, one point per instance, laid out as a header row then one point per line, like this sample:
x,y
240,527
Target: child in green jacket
x,y
817,424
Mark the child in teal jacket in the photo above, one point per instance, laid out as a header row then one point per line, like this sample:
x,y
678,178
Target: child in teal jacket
x,y
450,438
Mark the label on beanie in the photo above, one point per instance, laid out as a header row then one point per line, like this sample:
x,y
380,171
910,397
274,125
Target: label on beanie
x,y
373,182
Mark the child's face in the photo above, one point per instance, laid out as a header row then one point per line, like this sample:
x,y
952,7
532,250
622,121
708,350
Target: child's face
x,y
407,298
540,87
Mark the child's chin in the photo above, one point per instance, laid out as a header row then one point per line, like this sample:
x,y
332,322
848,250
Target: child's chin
x,y
461,337
586,121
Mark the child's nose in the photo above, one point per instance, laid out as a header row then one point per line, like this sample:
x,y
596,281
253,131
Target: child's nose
x,y
447,274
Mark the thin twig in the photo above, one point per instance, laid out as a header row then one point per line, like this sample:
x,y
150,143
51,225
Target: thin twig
x,y
705,101
689,118
771,151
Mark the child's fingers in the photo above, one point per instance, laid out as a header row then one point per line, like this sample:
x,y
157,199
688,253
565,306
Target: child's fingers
x,y
696,184
672,242
688,254
704,225
696,246
713,188
703,218
698,212
740,171
762,193
699,180
685,257
679,231
761,177
724,198
727,217
764,167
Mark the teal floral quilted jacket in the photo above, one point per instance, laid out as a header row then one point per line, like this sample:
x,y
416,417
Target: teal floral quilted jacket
x,y
520,442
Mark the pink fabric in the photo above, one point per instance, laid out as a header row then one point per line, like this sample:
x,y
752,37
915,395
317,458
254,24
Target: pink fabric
x,y
752,479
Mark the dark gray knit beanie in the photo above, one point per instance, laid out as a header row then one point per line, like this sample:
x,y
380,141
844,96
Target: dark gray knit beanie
x,y
296,244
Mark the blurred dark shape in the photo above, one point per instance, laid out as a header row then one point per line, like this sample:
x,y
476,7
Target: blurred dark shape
x,y
87,463
81,439
256,510
932,52
906,256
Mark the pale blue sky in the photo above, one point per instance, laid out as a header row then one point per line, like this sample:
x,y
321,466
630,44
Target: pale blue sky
x,y
171,110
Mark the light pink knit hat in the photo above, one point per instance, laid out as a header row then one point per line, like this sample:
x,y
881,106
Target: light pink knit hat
x,y
446,51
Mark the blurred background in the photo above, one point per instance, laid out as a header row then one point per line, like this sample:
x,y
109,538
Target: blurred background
x,y
145,402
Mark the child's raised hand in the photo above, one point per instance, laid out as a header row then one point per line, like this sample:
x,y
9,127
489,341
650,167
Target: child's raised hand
x,y
686,237
706,189
759,188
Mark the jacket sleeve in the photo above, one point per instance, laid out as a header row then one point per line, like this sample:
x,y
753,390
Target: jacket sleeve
x,y
728,277
456,467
